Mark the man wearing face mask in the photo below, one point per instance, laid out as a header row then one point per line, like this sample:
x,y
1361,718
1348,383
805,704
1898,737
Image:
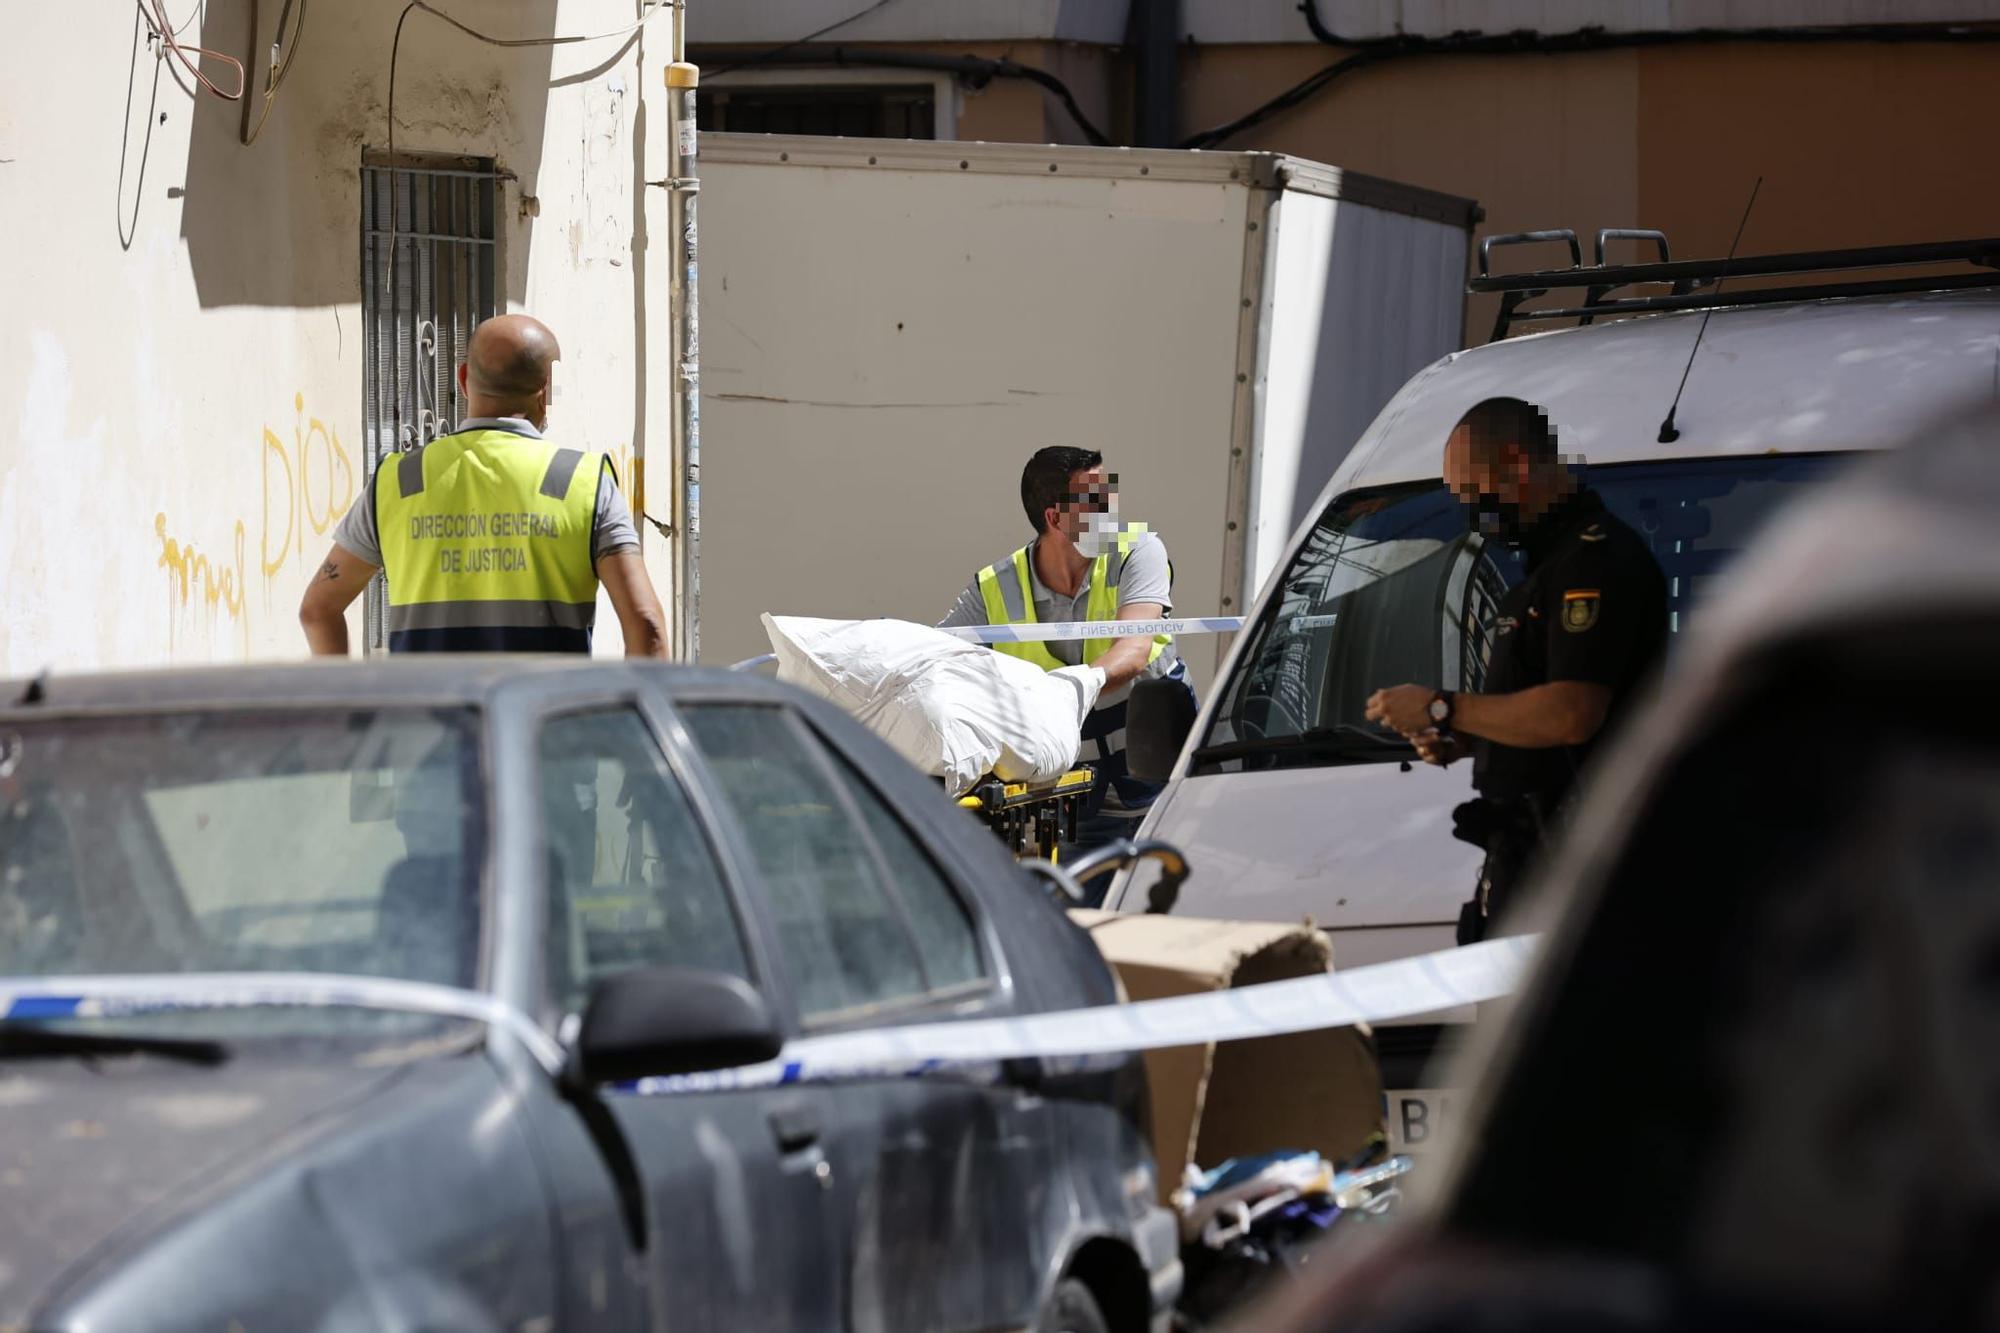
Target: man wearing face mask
x,y
1085,564
1569,643
493,538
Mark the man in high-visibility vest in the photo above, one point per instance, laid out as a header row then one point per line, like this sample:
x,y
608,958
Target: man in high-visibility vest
x,y
1085,565
493,538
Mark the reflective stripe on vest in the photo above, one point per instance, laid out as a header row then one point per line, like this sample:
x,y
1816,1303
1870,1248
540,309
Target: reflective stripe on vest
x,y
1008,591
486,544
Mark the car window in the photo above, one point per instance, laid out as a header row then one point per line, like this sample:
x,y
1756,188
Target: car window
x,y
946,937
834,860
633,879
258,841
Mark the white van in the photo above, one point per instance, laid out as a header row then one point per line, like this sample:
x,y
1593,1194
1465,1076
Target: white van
x,y
1287,805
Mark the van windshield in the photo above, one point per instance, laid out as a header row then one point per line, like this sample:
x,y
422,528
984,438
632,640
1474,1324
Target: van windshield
x,y
1391,587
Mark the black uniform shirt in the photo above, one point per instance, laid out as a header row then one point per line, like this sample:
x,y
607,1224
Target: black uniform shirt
x,y
1593,608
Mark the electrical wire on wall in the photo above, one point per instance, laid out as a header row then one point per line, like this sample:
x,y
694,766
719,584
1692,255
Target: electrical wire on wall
x,y
761,57
283,55
656,8
1368,51
199,11
976,71
169,37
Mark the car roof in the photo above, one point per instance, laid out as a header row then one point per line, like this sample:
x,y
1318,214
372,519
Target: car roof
x,y
1910,535
1804,376
422,679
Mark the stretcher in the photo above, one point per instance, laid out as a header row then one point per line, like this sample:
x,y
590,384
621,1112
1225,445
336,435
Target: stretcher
x,y
1033,821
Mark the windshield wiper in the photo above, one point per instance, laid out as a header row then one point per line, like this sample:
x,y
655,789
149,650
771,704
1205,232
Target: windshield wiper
x,y
23,1041
1340,738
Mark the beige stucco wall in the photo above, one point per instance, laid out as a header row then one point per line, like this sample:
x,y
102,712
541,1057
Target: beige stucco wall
x,y
180,358
1004,110
1858,144
1540,142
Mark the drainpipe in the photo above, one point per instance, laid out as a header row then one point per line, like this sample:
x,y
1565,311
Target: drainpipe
x,y
683,188
1155,37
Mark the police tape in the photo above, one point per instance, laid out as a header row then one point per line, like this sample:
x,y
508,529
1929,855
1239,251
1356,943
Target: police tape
x,y
1064,631
43,998
1376,993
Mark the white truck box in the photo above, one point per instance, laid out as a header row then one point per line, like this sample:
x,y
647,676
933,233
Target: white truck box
x,y
890,327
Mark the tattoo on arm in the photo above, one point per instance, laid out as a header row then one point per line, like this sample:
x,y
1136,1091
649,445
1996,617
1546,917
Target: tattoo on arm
x,y
329,572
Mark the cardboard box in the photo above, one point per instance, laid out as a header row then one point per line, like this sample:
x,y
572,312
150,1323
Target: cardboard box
x,y
1317,1090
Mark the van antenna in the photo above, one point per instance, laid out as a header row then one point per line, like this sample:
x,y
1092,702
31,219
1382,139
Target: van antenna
x,y
1668,431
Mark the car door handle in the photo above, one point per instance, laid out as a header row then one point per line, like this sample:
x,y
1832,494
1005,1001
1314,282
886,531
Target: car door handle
x,y
796,1128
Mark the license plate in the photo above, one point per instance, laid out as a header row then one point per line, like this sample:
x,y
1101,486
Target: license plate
x,y
1417,1118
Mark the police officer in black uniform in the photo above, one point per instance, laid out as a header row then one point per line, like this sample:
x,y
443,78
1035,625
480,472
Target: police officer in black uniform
x,y
1568,645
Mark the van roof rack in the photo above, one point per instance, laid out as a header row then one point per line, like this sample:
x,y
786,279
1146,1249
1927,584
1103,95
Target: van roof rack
x,y
1686,278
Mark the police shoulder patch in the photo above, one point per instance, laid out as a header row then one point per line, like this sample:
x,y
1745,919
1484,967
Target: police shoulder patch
x,y
1580,609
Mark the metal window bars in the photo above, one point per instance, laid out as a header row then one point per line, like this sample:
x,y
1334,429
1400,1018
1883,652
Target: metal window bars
x,y
1686,279
429,275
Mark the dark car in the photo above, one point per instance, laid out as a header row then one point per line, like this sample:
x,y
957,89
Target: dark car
x,y
1755,1080
327,991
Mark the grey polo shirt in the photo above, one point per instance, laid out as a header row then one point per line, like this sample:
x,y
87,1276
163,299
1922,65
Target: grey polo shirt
x,y
611,530
1146,577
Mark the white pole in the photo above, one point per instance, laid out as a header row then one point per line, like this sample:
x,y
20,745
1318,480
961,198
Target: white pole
x,y
683,188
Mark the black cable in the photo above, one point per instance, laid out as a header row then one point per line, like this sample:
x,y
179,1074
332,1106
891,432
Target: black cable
x,y
776,51
977,71
1375,50
1596,38
1009,69
1299,92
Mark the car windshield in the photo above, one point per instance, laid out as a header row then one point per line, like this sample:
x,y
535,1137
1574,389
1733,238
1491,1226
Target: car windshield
x,y
1391,587
256,841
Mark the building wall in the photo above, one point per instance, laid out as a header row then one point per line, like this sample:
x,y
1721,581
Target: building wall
x,y
1003,110
181,359
1104,22
1857,144
1214,21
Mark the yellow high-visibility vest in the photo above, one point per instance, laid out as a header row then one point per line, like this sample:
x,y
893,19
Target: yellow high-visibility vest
x,y
486,544
1008,592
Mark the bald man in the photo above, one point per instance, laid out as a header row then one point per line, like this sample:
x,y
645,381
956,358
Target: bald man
x,y
493,538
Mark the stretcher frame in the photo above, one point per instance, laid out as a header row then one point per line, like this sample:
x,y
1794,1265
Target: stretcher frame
x,y
1033,821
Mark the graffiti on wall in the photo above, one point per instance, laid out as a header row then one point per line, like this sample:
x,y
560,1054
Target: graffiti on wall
x,y
210,585
307,483
631,470
315,481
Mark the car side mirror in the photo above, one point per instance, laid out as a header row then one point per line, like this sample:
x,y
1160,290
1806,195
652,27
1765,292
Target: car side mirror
x,y
1159,714
655,1021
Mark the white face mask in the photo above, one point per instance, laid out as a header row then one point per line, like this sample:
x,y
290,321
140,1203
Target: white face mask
x,y
1100,533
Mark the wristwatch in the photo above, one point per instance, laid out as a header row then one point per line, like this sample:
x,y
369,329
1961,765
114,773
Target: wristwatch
x,y
1440,709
